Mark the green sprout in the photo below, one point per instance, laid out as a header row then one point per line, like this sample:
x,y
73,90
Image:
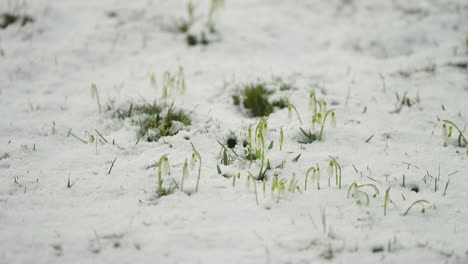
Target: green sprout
x,y
271,145
251,178
190,12
184,25
297,158
164,168
95,93
334,168
319,117
226,159
319,108
320,114
173,82
153,82
292,183
255,98
281,139
278,185
184,175
420,202
447,184
314,177
333,122
307,137
196,156
234,179
261,132
156,121
251,153
181,80
386,200
214,6
290,107
447,129
405,101
355,190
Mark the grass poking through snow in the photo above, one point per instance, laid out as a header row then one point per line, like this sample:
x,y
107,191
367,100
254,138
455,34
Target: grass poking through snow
x,y
255,98
156,120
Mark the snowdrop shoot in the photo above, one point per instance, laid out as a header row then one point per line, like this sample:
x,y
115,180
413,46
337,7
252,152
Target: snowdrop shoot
x,y
334,168
421,203
447,133
281,139
95,93
331,111
185,173
197,157
164,169
314,176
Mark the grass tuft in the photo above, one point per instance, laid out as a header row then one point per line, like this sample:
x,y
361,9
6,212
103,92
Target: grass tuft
x,y
8,19
186,25
405,100
255,98
156,121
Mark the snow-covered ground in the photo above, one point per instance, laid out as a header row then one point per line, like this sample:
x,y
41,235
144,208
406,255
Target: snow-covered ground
x,y
355,55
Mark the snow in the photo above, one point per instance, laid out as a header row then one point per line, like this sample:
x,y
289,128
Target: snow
x,y
339,49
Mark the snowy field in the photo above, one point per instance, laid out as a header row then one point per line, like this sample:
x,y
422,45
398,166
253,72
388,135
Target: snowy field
x,y
81,183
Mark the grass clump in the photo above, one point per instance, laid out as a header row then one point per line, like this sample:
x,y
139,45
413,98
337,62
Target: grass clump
x,y
155,120
186,25
8,19
405,100
255,98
